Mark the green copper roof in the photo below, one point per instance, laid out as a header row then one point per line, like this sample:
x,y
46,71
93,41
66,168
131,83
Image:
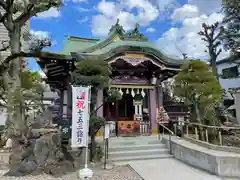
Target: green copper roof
x,y
148,47
108,51
75,44
96,48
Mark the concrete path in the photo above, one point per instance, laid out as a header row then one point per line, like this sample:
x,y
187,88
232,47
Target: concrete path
x,y
169,169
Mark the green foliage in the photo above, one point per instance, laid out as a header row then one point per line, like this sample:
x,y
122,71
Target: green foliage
x,y
92,72
196,83
98,153
97,75
95,123
210,118
30,80
31,88
113,95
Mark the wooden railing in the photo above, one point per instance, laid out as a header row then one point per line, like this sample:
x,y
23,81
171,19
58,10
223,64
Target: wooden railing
x,y
217,135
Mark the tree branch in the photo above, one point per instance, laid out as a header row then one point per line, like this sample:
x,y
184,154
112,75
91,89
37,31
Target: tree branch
x,y
36,54
25,16
32,9
4,46
7,18
3,4
218,52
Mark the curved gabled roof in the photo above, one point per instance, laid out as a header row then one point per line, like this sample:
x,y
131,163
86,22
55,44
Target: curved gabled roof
x,y
117,39
145,47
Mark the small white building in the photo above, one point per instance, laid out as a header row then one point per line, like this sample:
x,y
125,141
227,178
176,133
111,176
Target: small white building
x,y
230,81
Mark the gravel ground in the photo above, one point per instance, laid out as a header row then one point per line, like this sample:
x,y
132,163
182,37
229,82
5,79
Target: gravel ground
x,y
117,173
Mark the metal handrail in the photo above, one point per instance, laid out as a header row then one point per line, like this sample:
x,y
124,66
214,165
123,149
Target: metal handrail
x,y
164,127
171,133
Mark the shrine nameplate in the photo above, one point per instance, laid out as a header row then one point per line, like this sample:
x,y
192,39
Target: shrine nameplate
x,y
128,80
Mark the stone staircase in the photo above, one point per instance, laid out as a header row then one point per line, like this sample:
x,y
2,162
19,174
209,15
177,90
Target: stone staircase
x,y
124,149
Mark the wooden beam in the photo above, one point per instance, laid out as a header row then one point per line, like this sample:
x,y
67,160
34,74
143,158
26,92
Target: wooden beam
x,y
53,67
62,73
56,71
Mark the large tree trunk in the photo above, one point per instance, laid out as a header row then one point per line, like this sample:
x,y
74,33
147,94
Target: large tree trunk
x,y
15,73
18,127
214,69
197,111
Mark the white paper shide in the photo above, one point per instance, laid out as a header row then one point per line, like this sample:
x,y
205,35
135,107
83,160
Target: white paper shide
x,y
80,116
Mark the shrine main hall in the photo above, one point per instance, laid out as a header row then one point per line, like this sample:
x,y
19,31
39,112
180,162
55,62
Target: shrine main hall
x,y
138,70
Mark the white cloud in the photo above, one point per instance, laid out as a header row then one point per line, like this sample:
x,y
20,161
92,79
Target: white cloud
x,y
110,11
165,4
83,20
186,11
207,6
107,8
40,34
150,29
51,13
81,9
79,1
186,40
165,7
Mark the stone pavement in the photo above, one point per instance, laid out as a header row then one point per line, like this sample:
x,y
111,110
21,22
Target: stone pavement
x,y
160,169
124,172
169,169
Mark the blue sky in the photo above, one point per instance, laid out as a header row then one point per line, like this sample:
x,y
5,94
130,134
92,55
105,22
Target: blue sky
x,y
171,24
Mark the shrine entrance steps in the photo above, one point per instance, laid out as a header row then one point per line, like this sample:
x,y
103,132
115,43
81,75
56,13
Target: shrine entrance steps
x,y
125,149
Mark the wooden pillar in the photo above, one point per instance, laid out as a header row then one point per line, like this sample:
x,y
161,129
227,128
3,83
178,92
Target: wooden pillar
x,y
61,104
153,109
160,96
69,101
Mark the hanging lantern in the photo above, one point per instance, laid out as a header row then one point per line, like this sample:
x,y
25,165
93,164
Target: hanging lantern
x,y
127,91
154,81
143,93
132,93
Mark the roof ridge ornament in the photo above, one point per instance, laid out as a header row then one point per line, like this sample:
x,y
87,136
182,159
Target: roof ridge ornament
x,y
136,34
117,28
